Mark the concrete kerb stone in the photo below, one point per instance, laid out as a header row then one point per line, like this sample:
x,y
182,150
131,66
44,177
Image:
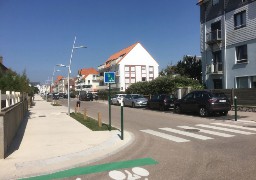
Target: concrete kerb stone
x,y
46,149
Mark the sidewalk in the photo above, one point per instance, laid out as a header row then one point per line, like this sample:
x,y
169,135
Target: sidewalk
x,y
50,141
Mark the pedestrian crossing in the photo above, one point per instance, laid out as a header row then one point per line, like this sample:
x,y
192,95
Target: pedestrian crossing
x,y
200,132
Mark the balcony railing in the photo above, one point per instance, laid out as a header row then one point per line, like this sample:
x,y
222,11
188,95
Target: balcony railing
x,y
213,37
214,68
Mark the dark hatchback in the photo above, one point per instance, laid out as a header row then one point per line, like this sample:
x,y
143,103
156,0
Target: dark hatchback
x,y
203,102
161,101
86,97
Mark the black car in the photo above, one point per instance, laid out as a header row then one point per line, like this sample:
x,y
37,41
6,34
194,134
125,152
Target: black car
x,y
204,103
161,101
86,97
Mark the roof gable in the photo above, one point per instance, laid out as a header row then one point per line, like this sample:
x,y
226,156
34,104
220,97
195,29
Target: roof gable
x,y
87,71
119,55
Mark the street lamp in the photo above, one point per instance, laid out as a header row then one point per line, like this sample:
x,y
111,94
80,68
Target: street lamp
x,y
54,70
69,69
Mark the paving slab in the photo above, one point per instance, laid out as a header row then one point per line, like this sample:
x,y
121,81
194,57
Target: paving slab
x,y
49,140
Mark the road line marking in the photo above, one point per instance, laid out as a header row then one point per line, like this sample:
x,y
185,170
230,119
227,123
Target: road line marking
x,y
225,129
165,136
234,126
193,135
245,121
209,132
96,169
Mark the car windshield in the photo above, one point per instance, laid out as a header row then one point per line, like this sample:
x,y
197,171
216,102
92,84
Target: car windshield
x,y
137,96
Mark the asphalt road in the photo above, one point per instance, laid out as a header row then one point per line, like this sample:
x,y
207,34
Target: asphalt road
x,y
212,156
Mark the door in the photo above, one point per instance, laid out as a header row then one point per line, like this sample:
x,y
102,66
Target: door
x,y
217,83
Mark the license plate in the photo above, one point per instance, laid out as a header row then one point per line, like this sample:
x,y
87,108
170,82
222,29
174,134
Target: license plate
x,y
222,100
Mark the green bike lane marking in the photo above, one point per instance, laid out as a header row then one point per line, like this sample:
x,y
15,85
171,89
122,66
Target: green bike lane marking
x,y
95,169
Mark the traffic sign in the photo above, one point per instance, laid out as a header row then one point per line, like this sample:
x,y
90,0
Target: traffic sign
x,y
109,77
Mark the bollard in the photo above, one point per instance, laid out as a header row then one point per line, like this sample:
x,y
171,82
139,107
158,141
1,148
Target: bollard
x,y
85,114
235,101
99,119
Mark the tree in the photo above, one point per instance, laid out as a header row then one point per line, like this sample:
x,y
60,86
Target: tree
x,y
11,81
191,67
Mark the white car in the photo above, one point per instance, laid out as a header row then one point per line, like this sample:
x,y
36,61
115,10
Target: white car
x,y
117,99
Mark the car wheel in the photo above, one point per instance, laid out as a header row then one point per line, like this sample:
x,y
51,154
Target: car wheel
x,y
133,105
177,109
203,112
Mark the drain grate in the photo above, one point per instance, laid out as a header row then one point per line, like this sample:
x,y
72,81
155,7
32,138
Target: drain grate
x,y
191,130
42,116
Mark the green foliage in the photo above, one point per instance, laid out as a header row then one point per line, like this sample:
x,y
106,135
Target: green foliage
x,y
11,81
190,67
163,84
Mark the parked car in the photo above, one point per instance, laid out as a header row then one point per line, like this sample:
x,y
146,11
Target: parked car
x,y
204,103
135,100
117,99
161,101
86,97
55,96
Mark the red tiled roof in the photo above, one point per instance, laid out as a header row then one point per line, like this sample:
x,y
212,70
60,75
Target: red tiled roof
x,y
121,54
87,71
58,79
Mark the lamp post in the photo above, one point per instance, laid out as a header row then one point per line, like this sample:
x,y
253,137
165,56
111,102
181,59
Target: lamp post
x,y
54,70
69,69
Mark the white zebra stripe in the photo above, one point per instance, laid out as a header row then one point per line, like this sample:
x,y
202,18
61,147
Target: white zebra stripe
x,y
225,129
193,135
208,131
234,126
165,136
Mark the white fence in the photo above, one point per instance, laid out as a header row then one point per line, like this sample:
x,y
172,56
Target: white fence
x,y
10,98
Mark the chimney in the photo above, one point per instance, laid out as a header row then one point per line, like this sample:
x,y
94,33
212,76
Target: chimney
x,y
1,59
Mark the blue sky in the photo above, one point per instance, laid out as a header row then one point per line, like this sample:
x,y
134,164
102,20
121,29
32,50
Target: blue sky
x,y
35,35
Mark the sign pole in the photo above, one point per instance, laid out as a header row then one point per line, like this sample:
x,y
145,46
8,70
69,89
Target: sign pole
x,y
109,106
122,121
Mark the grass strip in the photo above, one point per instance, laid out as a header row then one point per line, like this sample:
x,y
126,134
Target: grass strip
x,y
90,122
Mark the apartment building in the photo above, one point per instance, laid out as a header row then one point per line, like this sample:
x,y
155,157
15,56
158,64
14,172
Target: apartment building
x,y
87,80
132,64
228,43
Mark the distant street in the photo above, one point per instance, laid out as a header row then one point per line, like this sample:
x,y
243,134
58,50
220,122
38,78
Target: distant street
x,y
185,146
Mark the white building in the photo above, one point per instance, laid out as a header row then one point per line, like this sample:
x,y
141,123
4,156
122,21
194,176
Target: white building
x,y
132,64
87,80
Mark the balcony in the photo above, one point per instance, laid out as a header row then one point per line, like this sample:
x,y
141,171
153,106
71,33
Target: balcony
x,y
213,37
214,68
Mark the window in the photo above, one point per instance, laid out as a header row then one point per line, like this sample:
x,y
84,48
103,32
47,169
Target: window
x,y
217,61
214,2
253,82
240,19
242,82
241,54
143,79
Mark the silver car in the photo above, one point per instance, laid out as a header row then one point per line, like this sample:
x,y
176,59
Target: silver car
x,y
117,99
135,100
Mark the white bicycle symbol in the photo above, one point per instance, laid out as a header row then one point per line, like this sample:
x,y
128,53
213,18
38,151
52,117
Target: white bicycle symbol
x,y
137,173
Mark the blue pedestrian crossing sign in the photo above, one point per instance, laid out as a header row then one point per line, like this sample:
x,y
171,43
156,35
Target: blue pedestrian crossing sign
x,y
109,77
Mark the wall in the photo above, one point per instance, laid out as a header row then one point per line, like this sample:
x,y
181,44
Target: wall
x,y
138,56
10,120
